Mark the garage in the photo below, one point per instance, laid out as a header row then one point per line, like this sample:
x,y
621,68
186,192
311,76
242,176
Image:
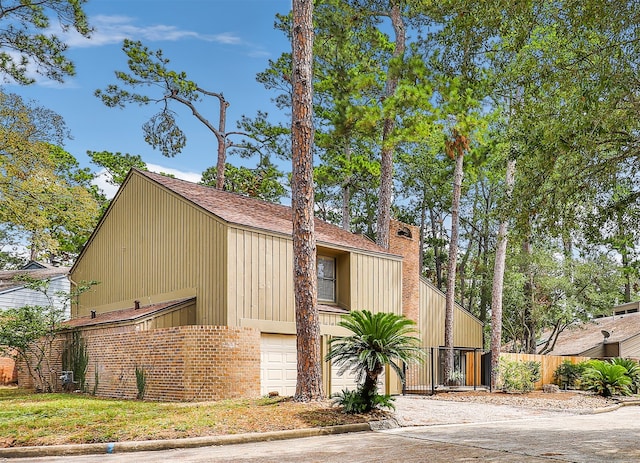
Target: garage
x,y
348,381
340,383
278,364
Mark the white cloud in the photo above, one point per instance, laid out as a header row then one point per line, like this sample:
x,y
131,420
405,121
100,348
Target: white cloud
x,y
102,178
188,176
114,29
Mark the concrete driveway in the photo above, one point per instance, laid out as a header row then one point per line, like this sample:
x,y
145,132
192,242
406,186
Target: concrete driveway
x,y
491,437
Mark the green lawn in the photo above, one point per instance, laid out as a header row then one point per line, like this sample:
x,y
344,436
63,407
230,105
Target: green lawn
x,y
47,419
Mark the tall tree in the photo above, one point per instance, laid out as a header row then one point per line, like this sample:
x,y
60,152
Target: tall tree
x,y
263,182
498,280
388,125
309,377
117,165
46,198
150,68
456,148
25,43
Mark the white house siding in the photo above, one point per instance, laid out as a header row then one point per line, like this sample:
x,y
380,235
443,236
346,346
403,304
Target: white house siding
x,y
20,296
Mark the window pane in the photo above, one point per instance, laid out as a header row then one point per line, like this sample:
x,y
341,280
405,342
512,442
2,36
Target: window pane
x,y
326,278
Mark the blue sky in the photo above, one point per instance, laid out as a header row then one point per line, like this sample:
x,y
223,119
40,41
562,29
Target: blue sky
x,y
220,44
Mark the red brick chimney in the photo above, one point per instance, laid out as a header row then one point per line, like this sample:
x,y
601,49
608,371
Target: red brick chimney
x,y
404,240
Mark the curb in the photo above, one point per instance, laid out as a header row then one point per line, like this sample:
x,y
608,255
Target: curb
x,y
189,442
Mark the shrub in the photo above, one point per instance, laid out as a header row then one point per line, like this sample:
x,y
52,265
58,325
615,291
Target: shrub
x,y
76,359
518,376
356,401
633,371
607,379
568,375
141,382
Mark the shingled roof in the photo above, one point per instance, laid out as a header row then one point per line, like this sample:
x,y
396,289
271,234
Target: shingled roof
x,y
579,338
8,277
251,212
125,315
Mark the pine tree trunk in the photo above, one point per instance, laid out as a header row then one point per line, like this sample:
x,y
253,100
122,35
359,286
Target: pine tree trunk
x,y
346,194
436,247
388,148
451,267
309,377
222,143
498,283
529,319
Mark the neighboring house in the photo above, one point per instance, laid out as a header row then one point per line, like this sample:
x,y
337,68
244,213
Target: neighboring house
x,y
614,336
196,287
13,294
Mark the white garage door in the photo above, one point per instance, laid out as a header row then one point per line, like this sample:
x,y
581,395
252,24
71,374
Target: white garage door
x,y
348,381
340,383
278,364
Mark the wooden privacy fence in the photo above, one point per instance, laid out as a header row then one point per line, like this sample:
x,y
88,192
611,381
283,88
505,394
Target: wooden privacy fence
x,y
548,364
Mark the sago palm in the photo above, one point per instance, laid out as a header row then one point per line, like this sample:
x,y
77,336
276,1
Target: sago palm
x,y
633,371
378,339
607,379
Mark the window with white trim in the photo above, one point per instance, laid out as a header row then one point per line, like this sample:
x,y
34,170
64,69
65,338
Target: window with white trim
x,y
326,279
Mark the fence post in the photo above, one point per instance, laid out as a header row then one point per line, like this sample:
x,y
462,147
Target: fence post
x,y
404,381
433,377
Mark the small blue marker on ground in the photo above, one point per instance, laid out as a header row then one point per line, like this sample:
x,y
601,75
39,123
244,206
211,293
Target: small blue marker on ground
x,y
110,447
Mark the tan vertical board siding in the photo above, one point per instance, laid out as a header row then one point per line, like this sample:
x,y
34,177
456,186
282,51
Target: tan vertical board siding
x,y
376,283
343,277
595,352
260,275
548,364
154,242
630,348
467,328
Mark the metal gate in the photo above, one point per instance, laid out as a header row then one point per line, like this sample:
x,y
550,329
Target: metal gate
x,y
427,377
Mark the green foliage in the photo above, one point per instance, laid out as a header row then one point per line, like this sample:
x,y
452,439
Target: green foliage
x,y
357,401
264,182
96,380
47,199
75,358
569,375
378,339
518,376
28,333
633,371
28,45
607,379
141,381
117,165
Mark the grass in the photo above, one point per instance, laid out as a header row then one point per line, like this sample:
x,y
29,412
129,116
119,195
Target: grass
x,y
47,419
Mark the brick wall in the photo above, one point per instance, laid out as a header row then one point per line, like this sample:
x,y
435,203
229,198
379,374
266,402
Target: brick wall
x,y
181,364
50,367
409,248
